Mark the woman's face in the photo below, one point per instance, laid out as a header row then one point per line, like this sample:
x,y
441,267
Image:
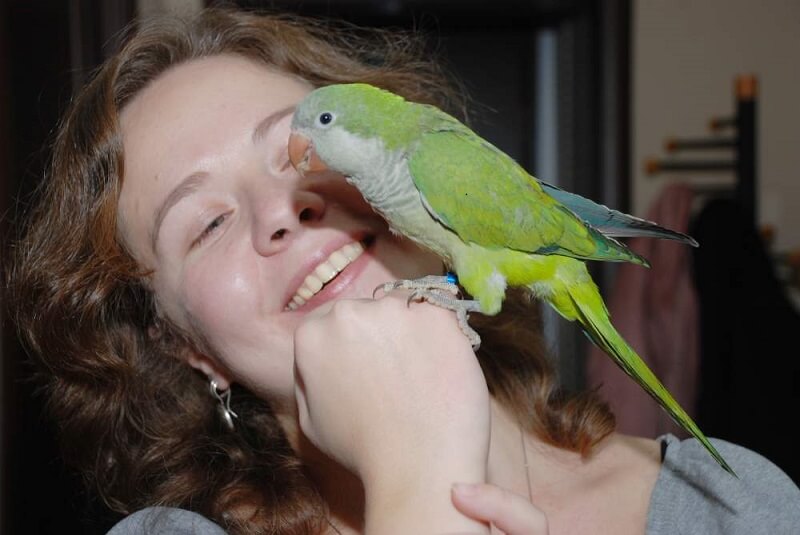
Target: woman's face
x,y
232,232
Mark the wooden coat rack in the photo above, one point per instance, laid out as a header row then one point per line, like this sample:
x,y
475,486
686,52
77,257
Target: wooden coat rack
x,y
742,142
737,133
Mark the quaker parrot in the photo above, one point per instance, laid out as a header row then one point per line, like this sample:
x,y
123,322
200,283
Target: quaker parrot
x,y
438,183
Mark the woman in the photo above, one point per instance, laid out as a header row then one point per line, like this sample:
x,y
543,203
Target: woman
x,y
205,322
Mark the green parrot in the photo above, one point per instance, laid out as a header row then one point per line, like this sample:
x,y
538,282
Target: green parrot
x,y
438,183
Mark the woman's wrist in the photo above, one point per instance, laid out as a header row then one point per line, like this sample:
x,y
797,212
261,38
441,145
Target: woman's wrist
x,y
423,508
406,501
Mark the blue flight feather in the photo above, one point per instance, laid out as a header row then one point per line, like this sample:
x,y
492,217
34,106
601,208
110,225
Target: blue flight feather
x,y
613,223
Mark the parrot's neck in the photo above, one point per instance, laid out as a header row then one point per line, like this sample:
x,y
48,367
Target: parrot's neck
x,y
398,201
384,180
393,192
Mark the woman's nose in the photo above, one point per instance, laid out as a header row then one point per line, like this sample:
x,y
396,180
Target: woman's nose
x,y
277,223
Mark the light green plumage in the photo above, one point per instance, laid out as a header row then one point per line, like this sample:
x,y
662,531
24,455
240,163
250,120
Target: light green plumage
x,y
490,200
442,185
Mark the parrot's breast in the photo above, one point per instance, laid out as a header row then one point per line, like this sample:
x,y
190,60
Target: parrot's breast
x,y
385,182
383,178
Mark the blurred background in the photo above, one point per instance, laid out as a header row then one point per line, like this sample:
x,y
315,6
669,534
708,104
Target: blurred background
x,y
680,110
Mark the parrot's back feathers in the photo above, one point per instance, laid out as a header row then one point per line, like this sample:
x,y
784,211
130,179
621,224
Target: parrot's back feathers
x,y
509,212
613,223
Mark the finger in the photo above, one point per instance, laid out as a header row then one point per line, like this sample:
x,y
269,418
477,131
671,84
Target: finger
x,y
507,511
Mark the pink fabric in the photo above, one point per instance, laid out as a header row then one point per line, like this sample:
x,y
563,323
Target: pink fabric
x,y
656,311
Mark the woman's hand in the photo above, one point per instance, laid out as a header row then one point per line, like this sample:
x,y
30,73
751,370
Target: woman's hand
x,y
508,512
395,393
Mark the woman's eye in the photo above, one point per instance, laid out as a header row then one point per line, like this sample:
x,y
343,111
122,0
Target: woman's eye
x,y
210,228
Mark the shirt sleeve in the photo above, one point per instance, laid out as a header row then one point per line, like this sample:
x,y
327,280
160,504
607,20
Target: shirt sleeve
x,y
693,494
165,520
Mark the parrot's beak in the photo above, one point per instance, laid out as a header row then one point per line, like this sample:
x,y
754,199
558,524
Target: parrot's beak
x,y
303,156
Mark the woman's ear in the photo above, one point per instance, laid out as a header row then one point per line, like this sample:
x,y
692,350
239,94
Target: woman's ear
x,y
185,351
209,367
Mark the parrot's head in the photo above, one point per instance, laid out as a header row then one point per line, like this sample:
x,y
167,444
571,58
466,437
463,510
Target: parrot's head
x,y
343,128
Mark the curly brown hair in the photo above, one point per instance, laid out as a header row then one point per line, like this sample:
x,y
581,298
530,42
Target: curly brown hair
x,y
138,422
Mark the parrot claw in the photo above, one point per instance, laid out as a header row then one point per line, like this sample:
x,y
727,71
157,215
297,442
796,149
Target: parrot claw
x,y
429,283
439,291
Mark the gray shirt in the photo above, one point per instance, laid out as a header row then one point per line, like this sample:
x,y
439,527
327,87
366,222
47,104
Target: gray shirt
x,y
165,521
692,495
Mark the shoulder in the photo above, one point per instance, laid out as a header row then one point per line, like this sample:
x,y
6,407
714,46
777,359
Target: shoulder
x,y
693,494
165,520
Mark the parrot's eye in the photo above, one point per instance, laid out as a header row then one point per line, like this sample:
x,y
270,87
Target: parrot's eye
x,y
325,118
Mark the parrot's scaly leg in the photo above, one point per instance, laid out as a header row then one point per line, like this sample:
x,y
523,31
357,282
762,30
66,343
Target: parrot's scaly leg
x,y
431,282
441,291
462,308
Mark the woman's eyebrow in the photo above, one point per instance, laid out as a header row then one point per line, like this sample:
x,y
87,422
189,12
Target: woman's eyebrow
x,y
269,121
184,188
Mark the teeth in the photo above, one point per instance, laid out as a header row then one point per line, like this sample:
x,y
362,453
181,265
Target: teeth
x,y
313,283
352,250
324,272
338,260
305,293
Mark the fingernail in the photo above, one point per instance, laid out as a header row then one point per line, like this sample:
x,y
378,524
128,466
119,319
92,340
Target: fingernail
x,y
465,489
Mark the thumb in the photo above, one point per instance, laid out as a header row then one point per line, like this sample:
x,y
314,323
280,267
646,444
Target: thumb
x,y
507,511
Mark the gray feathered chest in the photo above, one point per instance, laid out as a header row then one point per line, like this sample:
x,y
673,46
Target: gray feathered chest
x,y
384,180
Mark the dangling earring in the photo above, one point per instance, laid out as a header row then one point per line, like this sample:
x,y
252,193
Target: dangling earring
x,y
224,407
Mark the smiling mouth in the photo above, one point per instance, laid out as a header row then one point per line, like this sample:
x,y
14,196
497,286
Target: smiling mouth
x,y
327,271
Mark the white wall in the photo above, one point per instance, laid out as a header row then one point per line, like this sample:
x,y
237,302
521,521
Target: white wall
x,y
686,54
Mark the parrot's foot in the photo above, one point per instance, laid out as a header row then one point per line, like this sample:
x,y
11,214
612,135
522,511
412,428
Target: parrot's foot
x,y
441,291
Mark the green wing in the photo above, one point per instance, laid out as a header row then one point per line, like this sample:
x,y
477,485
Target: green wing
x,y
485,197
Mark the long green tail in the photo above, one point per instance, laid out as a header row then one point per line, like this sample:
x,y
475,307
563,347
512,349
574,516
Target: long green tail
x,y
593,315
